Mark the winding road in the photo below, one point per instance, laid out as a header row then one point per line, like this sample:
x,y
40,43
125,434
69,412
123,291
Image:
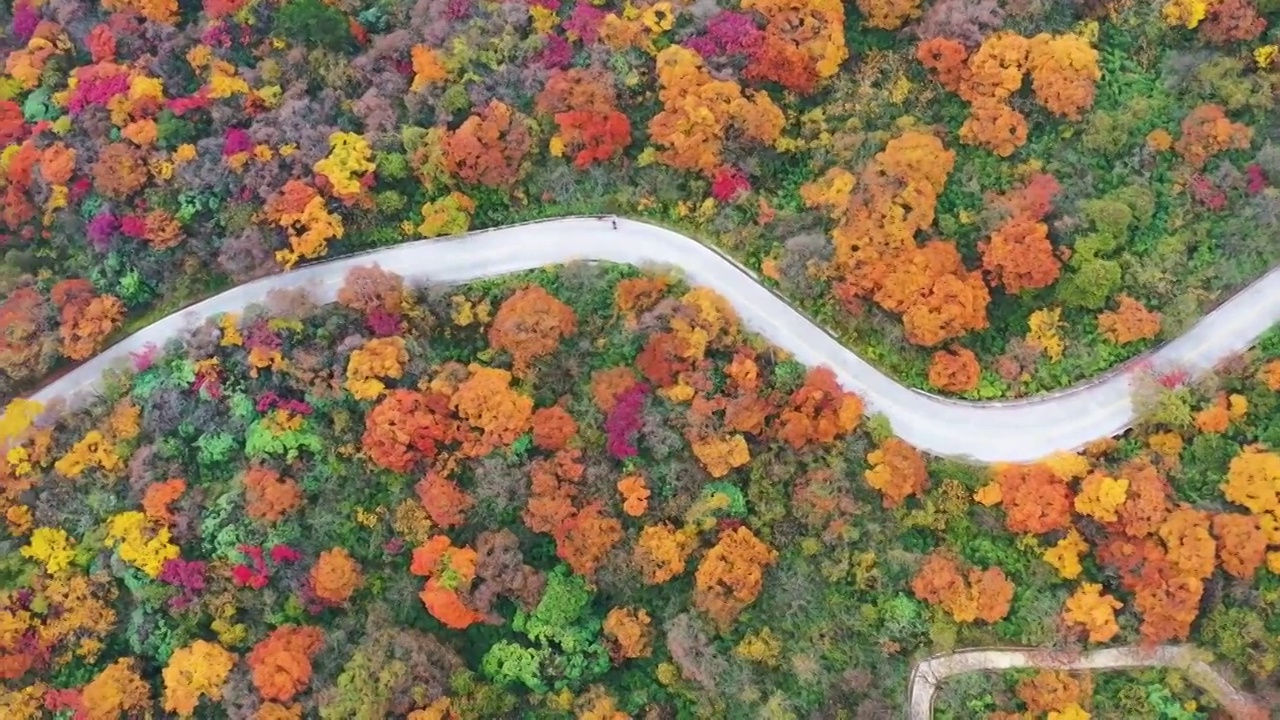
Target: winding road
x,y
1003,431
1009,431
927,674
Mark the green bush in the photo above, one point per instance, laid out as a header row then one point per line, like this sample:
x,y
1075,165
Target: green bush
x,y
314,24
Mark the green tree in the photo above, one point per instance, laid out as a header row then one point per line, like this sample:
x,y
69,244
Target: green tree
x,y
314,24
567,651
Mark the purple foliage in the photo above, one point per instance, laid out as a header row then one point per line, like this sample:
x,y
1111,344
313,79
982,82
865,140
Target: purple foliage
x,y
144,358
260,335
236,141
966,21
25,21
96,91
382,323
1257,179
218,35
1203,191
377,111
458,9
247,256
555,54
187,576
728,33
704,45
735,32
134,226
269,399
101,229
624,421
584,23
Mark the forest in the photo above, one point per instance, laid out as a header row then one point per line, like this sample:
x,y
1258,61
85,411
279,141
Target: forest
x,y
588,492
985,198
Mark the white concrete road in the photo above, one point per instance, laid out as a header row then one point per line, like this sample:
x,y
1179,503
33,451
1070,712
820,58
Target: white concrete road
x,y
926,675
1014,431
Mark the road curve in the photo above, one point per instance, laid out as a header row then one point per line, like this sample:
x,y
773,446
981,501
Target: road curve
x,y
926,675
1016,431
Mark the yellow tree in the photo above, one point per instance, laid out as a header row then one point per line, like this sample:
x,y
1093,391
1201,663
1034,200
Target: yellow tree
x,y
1064,69
731,575
1094,612
897,471
195,671
1253,480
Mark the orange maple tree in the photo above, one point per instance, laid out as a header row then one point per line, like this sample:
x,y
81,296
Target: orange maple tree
x,y
981,595
487,402
552,487
1215,418
449,571
86,319
1189,546
995,70
994,126
553,428
1053,691
117,691
490,146
119,171
1034,498
955,370
26,350
335,576
280,665
629,633
661,551
879,213
1168,603
698,111
369,288
1206,132
945,59
268,495
819,411
530,324
897,471
1064,70
1019,256
635,495
446,503
585,537
576,89
1242,544
802,43
158,496
1130,322
1146,503
636,295
593,136
407,426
